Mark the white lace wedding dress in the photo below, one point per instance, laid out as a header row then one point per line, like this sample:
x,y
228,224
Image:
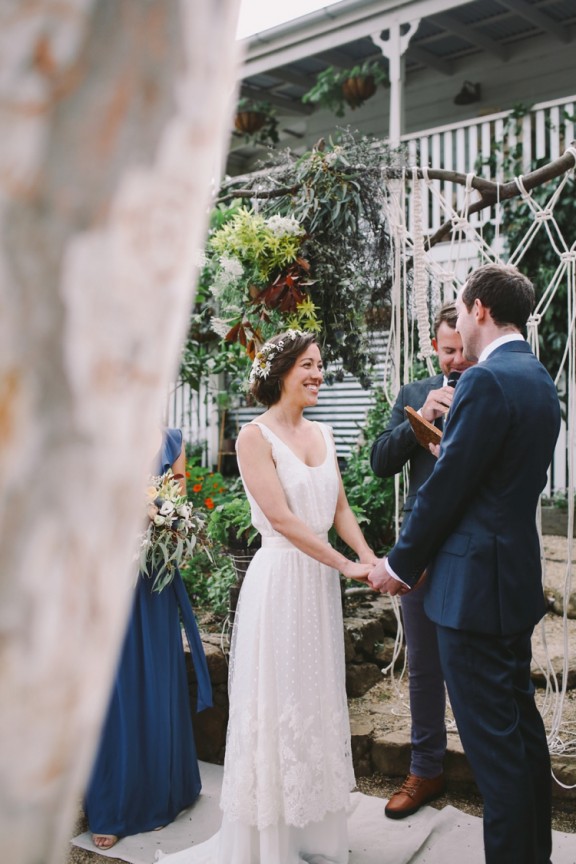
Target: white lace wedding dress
x,y
288,768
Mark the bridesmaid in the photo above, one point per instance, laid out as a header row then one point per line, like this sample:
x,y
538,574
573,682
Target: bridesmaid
x,y
146,769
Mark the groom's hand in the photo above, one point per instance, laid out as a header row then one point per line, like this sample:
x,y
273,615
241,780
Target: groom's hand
x,y
381,580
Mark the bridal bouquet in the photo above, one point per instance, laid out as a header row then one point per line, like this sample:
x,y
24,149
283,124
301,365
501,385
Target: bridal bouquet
x,y
174,529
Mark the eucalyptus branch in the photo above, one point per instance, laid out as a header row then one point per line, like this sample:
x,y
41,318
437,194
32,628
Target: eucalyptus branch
x,y
263,193
492,193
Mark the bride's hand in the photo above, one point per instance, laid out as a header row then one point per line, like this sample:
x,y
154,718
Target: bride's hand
x,y
369,558
356,570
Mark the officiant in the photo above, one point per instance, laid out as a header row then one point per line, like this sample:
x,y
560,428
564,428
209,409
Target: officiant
x,y
393,449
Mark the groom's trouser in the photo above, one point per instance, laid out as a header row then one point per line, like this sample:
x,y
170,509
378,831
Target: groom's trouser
x,y
492,697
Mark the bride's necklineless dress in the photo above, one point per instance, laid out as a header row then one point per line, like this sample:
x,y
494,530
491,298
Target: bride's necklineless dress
x,y
288,767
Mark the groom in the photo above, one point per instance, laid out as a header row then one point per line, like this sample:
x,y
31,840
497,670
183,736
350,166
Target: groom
x,y
473,527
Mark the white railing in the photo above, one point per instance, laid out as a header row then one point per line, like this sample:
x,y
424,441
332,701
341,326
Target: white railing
x,y
478,146
193,412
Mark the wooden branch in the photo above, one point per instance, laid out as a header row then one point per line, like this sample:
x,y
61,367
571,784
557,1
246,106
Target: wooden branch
x,y
264,193
490,192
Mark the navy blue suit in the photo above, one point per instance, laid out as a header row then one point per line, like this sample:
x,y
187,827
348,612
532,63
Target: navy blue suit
x,y
473,526
394,448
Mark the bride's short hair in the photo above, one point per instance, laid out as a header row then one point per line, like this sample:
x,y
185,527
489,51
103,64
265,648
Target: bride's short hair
x,y
276,357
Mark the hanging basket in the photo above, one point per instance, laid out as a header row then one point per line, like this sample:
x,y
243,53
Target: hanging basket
x,y
249,122
358,90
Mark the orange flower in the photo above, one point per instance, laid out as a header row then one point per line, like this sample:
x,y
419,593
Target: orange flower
x,y
215,485
209,503
188,475
197,487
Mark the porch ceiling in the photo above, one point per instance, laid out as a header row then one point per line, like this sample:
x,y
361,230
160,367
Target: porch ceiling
x,y
282,64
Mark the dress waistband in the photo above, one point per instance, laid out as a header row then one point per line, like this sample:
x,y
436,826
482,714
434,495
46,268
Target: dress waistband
x,y
282,543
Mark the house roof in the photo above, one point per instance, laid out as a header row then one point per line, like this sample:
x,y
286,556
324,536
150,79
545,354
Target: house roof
x,y
282,63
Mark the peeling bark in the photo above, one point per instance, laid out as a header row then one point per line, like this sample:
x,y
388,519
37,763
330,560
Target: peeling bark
x,y
114,117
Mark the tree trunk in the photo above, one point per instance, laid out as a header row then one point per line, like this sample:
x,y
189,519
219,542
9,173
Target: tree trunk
x,y
114,120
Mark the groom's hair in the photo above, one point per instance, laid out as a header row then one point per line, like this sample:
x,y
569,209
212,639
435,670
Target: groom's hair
x,y
268,390
504,290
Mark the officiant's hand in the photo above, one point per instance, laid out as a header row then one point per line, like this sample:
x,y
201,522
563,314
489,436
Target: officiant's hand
x,y
437,403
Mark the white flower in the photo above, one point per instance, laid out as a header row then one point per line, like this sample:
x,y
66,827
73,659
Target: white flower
x,y
220,327
184,511
231,266
159,520
166,509
284,226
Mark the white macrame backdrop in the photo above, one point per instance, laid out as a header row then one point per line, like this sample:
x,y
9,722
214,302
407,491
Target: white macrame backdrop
x,y
437,275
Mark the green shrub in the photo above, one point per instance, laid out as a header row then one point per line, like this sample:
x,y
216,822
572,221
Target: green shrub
x,y
371,498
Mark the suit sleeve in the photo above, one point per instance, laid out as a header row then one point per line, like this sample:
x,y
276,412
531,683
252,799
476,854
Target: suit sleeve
x,y
466,454
397,443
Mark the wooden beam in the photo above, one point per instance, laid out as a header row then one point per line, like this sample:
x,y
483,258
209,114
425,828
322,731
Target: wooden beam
x,y
538,18
287,76
469,34
427,58
286,105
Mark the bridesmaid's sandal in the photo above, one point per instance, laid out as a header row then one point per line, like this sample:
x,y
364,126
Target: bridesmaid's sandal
x,y
104,841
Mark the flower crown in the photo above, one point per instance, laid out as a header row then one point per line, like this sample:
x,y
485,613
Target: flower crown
x,y
268,352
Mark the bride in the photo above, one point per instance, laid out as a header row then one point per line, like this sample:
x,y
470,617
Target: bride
x,y
288,767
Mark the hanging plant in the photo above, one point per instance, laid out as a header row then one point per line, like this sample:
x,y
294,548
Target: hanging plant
x,y
314,256
260,280
337,88
256,121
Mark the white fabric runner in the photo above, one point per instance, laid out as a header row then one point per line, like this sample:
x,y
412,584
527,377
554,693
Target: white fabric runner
x,y
431,836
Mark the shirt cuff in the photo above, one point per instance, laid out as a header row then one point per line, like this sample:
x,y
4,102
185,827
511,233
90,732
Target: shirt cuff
x,y
393,574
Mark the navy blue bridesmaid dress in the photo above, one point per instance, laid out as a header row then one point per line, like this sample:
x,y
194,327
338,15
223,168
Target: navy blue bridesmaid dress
x,y
146,768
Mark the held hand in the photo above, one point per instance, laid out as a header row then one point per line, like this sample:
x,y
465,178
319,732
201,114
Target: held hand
x,y
437,403
356,570
381,580
370,558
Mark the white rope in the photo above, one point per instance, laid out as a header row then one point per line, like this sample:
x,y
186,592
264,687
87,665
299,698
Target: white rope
x,y
435,279
420,281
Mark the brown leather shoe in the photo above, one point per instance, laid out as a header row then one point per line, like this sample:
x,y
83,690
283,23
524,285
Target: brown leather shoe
x,y
413,794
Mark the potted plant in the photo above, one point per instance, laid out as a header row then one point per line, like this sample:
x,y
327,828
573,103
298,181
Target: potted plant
x,y
255,120
336,88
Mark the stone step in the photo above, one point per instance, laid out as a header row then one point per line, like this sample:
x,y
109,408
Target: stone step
x,y
389,754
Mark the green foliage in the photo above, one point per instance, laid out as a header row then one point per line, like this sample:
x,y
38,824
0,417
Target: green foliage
x,y
205,489
559,499
343,268
208,582
371,498
327,90
205,353
255,242
230,524
208,577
